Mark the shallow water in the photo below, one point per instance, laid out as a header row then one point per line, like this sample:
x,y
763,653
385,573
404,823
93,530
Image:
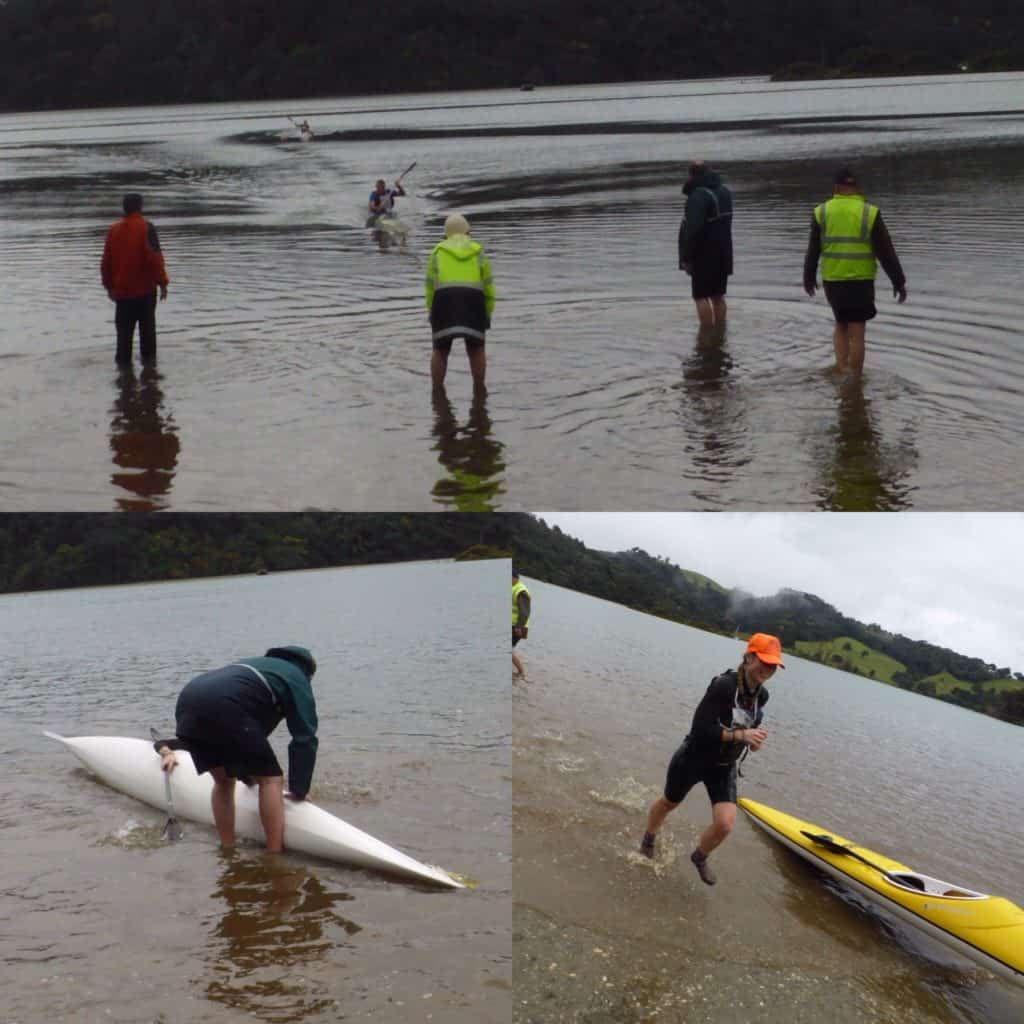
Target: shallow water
x,y
294,351
103,920
602,934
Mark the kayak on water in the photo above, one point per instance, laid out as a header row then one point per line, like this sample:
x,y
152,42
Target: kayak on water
x,y
987,929
132,766
386,222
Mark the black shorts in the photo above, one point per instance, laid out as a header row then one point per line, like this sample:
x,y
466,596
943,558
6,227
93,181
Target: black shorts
x,y
852,302
708,282
684,772
219,735
445,344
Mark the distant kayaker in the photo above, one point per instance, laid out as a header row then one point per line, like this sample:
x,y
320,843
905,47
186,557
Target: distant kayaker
x,y
705,241
520,620
726,724
848,236
460,298
382,198
305,130
223,719
132,269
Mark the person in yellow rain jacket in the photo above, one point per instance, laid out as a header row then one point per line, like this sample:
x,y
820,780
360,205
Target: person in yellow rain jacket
x,y
850,239
460,298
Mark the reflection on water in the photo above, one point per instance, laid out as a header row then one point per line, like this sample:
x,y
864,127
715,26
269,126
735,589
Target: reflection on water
x,y
144,440
862,474
470,455
712,410
277,917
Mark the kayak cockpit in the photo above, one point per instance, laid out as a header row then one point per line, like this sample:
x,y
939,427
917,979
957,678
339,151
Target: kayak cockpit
x,y
914,882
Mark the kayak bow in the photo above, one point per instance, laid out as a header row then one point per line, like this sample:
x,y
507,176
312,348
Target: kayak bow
x,y
987,929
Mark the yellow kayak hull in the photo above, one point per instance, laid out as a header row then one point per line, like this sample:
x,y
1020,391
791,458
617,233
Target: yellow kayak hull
x,y
987,929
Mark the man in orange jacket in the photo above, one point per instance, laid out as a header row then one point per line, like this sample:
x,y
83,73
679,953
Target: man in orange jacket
x,y
132,268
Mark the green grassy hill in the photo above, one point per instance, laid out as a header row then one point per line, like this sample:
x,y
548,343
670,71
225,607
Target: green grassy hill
x,y
851,655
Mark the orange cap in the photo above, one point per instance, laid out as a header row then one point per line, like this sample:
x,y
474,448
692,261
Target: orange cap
x,y
767,648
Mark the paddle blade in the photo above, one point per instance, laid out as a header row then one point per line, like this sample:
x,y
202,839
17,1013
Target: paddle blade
x,y
172,830
827,841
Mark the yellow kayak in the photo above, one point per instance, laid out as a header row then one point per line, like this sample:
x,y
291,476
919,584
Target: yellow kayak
x,y
987,929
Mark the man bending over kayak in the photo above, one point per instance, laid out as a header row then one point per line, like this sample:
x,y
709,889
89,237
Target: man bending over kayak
x,y
726,723
223,719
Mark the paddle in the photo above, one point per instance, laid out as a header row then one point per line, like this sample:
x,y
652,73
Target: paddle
x,y
908,881
407,170
172,829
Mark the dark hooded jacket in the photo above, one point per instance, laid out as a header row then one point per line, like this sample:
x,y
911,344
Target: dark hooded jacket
x,y
705,235
286,694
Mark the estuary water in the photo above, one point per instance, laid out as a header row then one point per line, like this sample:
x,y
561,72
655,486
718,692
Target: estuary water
x,y
294,346
104,921
605,935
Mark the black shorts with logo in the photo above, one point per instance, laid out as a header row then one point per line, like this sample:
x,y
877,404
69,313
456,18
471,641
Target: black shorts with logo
x,y
852,302
685,771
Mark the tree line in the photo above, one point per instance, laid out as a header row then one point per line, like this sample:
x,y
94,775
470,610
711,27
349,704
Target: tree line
x,y
81,53
55,550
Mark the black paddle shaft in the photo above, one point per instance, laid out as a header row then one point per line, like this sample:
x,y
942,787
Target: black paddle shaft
x,y
830,844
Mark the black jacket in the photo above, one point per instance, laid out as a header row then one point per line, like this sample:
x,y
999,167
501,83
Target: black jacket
x,y
705,235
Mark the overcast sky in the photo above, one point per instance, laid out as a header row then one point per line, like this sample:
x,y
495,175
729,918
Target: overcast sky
x,y
955,579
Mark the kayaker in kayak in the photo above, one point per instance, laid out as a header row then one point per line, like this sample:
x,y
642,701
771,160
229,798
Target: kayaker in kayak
x,y
382,198
726,724
223,719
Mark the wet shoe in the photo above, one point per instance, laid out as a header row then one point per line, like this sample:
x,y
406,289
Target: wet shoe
x,y
700,862
647,845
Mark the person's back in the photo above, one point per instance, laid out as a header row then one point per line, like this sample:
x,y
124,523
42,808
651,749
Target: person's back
x,y
459,294
132,265
706,231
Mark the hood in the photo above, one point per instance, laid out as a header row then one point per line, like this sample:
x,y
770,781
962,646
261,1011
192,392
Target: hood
x,y
300,656
462,247
706,179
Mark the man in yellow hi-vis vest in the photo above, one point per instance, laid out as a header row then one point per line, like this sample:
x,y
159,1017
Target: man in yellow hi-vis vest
x,y
848,236
520,618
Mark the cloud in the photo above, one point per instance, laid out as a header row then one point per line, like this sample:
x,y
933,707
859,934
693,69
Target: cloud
x,y
953,579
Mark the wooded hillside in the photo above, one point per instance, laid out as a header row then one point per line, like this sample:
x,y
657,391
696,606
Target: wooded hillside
x,y
78,53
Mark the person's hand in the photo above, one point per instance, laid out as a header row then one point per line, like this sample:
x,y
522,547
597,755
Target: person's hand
x,y
900,293
168,762
754,738
110,295
686,267
810,289
517,632
163,292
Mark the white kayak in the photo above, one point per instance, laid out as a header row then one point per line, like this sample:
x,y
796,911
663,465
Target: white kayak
x,y
133,767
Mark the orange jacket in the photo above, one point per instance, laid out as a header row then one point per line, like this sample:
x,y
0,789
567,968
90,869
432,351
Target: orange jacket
x,y
132,264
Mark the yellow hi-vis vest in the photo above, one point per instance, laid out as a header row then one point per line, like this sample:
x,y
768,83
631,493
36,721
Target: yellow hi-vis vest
x,y
846,253
517,589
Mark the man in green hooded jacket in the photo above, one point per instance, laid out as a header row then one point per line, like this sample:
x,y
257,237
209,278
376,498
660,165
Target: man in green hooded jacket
x,y
223,719
460,297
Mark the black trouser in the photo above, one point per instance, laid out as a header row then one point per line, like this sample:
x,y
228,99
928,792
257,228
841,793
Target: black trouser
x,y
141,311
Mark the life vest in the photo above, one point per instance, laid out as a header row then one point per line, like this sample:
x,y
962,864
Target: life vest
x,y
846,252
517,589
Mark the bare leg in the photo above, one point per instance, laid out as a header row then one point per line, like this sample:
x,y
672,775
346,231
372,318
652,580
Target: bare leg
x,y
272,810
478,367
705,312
517,665
657,814
222,800
723,817
438,367
841,345
855,334
719,308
